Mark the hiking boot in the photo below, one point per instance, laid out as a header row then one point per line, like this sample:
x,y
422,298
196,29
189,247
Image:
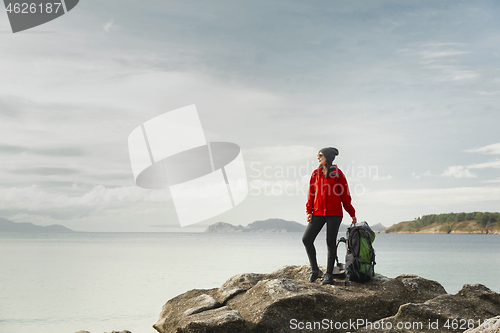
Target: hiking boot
x,y
327,279
314,275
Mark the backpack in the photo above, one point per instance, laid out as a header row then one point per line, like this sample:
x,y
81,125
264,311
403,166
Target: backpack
x,y
360,255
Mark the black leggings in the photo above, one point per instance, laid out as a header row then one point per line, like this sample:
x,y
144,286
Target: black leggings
x,y
313,229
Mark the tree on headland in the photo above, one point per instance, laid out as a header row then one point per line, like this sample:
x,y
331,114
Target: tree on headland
x,y
450,221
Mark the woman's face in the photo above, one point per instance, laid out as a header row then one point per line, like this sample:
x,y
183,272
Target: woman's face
x,y
321,159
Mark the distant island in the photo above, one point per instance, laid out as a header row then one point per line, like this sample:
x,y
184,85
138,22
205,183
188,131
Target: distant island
x,y
454,223
9,226
378,227
272,225
269,225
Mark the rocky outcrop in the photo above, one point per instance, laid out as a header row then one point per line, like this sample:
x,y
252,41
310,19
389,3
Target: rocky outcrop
x,y
473,304
284,301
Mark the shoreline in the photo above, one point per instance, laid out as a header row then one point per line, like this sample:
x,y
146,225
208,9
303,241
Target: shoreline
x,y
441,233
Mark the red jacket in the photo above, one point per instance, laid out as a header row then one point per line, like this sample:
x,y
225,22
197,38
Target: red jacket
x,y
328,194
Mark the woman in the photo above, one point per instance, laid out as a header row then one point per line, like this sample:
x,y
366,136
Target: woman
x,y
328,192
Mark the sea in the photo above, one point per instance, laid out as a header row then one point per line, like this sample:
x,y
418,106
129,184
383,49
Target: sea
x,y
100,282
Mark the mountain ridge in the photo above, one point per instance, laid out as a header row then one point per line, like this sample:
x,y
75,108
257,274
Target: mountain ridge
x,y
10,226
274,225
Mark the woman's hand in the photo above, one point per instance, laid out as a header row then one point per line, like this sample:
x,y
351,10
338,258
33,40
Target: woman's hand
x,y
354,220
309,217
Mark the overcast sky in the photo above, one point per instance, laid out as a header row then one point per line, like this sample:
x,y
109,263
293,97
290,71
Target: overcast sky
x,y
409,92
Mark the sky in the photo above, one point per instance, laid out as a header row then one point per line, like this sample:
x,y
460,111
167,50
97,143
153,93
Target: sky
x,y
407,91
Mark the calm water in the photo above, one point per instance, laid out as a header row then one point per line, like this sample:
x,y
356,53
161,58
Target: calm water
x,y
99,282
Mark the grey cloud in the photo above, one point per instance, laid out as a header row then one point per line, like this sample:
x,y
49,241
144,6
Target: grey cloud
x,y
61,213
42,184
12,149
65,151
10,107
63,185
489,149
60,152
45,171
113,176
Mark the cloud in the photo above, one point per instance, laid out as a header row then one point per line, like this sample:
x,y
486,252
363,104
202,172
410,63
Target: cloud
x,y
108,25
492,164
60,214
255,85
293,160
381,178
463,74
497,180
33,196
432,197
425,174
441,54
45,171
458,171
60,205
443,44
11,107
487,93
68,151
442,60
493,149
461,171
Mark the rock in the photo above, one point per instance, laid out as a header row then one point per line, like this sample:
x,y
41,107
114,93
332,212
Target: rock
x,y
450,313
197,311
491,325
221,319
271,302
202,303
236,285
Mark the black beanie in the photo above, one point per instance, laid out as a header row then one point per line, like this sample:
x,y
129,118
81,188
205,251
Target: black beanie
x,y
329,153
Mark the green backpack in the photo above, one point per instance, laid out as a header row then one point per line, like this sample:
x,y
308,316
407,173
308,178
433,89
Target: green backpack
x,y
360,256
